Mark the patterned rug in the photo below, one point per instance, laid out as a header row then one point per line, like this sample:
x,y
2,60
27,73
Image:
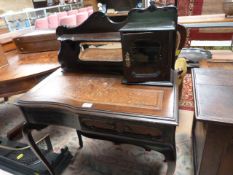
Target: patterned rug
x,y
186,101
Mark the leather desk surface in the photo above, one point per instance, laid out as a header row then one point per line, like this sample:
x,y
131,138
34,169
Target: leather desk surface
x,y
103,93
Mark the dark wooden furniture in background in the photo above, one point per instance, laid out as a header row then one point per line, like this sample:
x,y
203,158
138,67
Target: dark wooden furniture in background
x,y
37,41
6,39
92,3
143,115
20,72
120,8
23,71
120,5
213,121
39,4
149,45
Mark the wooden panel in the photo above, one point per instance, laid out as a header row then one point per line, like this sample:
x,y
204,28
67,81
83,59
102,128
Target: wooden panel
x,y
150,132
217,139
214,94
120,5
38,46
98,54
199,138
226,165
37,41
104,93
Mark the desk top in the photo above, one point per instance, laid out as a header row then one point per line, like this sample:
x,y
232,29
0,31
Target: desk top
x,y
103,94
213,94
24,65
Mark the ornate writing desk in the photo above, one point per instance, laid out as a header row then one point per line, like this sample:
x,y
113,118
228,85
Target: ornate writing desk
x,y
88,94
100,106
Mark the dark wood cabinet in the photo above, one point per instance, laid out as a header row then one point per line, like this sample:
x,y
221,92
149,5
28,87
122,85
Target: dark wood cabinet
x,y
148,45
121,5
39,3
213,122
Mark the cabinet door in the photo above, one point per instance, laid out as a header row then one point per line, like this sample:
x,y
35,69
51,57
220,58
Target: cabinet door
x,y
146,56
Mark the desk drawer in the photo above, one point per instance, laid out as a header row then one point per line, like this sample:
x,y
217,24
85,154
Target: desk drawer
x,y
153,132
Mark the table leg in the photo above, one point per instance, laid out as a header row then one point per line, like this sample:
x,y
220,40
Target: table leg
x,y
80,139
28,136
169,153
170,158
171,166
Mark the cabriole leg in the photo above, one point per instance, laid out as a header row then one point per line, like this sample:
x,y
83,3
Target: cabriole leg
x,y
28,136
80,139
